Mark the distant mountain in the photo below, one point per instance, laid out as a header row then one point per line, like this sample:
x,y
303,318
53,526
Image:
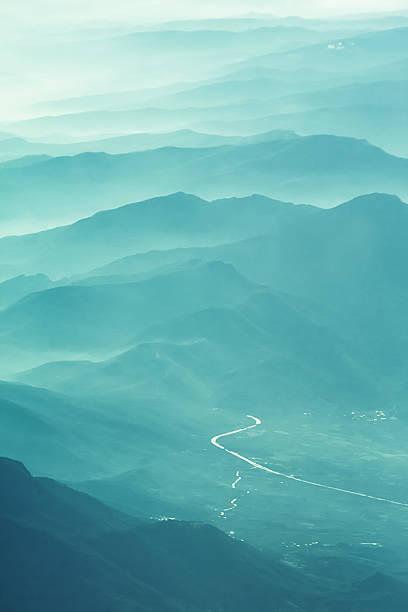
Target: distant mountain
x,y
351,275
291,92
359,52
71,318
16,288
139,328
137,59
381,93
43,429
347,259
118,100
211,42
350,110
228,91
5,136
361,121
34,152
372,21
280,257
88,125
160,223
179,372
320,169
67,437
127,61
26,160
395,70
245,83
207,355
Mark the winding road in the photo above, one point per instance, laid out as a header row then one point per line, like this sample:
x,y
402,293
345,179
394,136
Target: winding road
x,y
258,421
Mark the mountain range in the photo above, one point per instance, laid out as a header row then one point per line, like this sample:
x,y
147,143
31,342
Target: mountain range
x,y
203,308
322,170
26,151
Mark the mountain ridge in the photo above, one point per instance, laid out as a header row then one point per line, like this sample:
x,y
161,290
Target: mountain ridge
x,y
322,170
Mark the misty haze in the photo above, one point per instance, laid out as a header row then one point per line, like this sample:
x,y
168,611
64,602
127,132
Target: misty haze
x,y
203,306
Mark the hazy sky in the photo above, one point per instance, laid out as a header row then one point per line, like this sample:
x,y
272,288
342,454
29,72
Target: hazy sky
x,y
27,24
24,12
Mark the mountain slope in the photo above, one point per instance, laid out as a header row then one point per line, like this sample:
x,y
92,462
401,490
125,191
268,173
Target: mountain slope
x,y
12,148
359,120
115,563
320,169
108,316
203,357
68,437
161,223
359,52
16,288
347,259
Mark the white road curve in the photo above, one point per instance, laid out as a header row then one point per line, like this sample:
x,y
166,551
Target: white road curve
x,y
258,421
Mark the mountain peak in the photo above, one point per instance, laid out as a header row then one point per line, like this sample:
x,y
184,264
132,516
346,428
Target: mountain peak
x,y
373,202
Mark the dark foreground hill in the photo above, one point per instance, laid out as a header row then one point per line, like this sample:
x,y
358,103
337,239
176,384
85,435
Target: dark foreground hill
x,y
63,550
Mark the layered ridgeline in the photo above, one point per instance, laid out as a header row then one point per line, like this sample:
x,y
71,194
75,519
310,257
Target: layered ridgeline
x,y
339,258
138,329
359,52
344,84
309,102
28,151
281,313
126,60
344,110
179,220
322,170
68,437
103,59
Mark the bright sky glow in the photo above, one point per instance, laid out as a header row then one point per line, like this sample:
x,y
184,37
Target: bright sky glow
x,y
33,24
25,13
